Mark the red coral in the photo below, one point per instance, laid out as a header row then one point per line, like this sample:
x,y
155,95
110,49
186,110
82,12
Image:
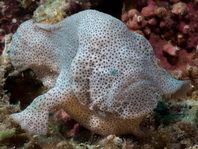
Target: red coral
x,y
172,29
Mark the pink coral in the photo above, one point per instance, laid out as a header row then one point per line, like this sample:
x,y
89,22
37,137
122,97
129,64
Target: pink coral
x,y
170,49
174,1
170,25
134,20
62,115
74,130
149,11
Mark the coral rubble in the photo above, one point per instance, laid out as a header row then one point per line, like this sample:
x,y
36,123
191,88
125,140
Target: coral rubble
x,y
171,27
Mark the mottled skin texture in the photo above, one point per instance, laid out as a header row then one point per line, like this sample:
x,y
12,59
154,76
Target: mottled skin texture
x,y
102,75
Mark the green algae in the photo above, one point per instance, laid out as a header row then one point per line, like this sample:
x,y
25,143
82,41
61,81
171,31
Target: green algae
x,y
3,147
6,134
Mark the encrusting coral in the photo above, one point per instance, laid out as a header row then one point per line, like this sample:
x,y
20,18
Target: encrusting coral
x,y
101,74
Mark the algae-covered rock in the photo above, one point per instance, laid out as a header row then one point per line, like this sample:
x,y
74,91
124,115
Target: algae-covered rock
x,y
185,111
193,147
167,113
64,144
4,66
52,11
191,115
28,3
3,147
4,59
5,134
